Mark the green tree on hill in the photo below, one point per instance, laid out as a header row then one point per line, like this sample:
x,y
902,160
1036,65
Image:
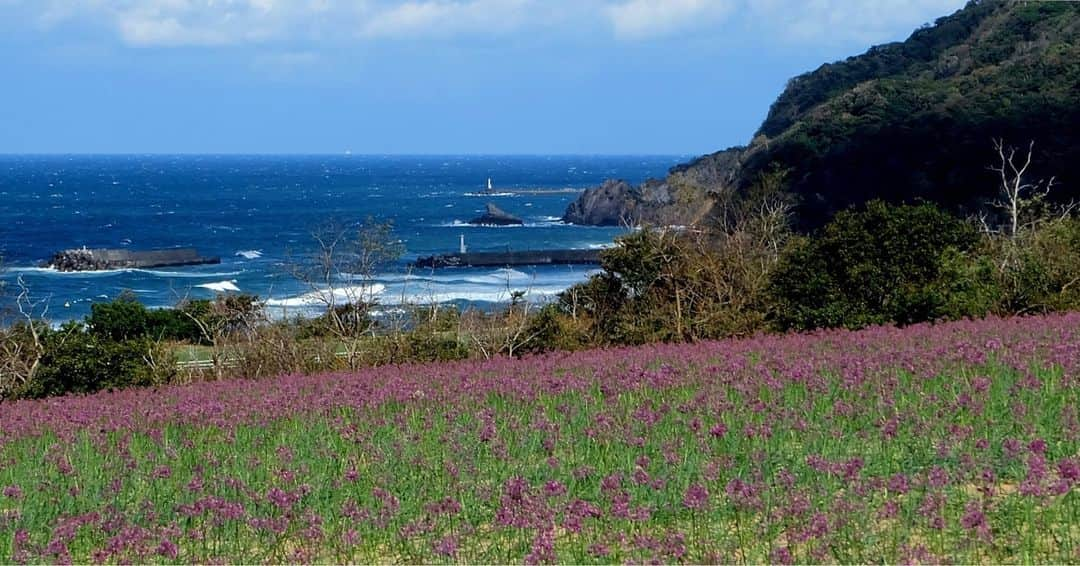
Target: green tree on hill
x,y
877,265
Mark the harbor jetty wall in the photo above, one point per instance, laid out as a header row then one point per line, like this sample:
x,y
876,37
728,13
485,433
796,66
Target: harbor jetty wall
x,y
84,259
509,259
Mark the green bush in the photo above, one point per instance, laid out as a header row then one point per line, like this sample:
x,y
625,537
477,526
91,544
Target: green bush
x,y
78,361
669,285
1038,271
878,265
436,347
553,328
125,318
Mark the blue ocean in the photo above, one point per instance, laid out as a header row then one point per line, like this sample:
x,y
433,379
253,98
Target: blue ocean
x,y
257,213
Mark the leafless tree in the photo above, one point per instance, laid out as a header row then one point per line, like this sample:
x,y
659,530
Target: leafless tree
x,y
505,331
21,340
764,210
227,323
1018,194
339,274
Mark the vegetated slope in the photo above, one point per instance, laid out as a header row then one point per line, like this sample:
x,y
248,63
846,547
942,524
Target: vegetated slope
x,y
933,443
916,119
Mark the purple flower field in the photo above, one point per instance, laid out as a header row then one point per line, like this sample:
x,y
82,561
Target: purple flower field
x,y
951,443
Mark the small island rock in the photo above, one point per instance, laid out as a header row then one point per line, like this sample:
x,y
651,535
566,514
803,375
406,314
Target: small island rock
x,y
495,216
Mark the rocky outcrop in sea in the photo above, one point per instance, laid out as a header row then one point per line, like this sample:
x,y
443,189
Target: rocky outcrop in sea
x,y
495,216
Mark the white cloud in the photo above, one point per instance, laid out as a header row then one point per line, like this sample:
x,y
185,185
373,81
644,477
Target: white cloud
x,y
145,23
234,22
640,19
865,21
443,18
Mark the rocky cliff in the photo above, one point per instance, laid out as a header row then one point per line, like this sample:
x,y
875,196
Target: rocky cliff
x,y
903,122
656,203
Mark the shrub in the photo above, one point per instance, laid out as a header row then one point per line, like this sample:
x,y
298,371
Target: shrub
x,y
552,328
436,346
78,361
126,318
1037,271
662,286
884,263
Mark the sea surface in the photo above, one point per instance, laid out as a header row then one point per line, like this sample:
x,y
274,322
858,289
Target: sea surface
x,y
258,213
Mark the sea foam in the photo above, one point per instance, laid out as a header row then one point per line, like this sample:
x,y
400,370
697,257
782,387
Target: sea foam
x,y
221,286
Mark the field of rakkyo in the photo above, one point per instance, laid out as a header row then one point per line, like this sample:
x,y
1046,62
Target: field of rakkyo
x,y
932,443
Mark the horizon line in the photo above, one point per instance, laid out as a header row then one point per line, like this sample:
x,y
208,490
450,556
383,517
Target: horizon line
x,y
337,154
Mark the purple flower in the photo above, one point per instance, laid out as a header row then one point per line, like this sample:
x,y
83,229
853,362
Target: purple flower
x,y
554,488
446,546
781,555
445,506
611,483
973,516
1069,469
543,548
598,550
281,498
13,492
718,430
696,496
350,537
889,510
852,468
899,483
938,477
168,549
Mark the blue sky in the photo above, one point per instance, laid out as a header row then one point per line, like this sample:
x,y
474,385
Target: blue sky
x,y
416,76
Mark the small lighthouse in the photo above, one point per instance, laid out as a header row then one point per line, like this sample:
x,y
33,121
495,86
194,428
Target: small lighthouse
x,y
461,247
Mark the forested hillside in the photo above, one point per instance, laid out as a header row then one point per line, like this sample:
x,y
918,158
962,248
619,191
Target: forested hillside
x,y
916,119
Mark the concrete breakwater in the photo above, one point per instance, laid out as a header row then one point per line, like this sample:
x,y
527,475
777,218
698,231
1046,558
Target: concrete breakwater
x,y
84,259
508,259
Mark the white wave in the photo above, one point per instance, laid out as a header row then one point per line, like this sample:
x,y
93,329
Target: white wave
x,y
311,303
504,194
111,272
510,273
542,224
250,254
536,294
499,276
186,274
221,286
323,297
51,271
